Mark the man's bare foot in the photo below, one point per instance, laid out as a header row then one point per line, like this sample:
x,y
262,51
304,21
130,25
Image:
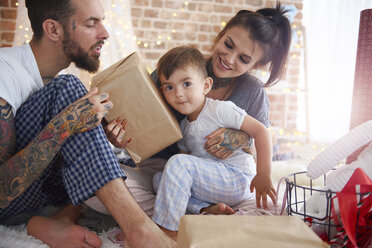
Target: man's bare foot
x,y
58,233
220,208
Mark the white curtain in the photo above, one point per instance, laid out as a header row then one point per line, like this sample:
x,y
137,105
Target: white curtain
x,y
118,22
331,42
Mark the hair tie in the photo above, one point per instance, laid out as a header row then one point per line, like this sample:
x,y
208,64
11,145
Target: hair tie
x,y
276,17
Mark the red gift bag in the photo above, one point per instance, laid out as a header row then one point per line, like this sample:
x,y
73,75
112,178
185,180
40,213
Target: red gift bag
x,y
355,207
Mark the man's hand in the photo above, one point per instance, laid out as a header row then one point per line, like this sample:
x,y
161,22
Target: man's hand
x,y
115,131
84,114
223,142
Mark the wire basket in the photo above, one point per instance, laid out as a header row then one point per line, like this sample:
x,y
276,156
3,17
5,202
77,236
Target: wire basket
x,y
297,197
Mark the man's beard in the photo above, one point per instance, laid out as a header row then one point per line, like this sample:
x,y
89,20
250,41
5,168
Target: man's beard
x,y
77,54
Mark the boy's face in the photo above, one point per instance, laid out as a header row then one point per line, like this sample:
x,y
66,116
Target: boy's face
x,y
185,91
85,34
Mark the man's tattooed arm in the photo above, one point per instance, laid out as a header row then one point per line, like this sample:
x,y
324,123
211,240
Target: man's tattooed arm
x,y
19,171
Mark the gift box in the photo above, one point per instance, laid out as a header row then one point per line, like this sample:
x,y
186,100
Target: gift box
x,y
151,125
205,231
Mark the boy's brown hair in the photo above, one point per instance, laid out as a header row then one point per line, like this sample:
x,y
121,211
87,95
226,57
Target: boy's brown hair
x,y
180,57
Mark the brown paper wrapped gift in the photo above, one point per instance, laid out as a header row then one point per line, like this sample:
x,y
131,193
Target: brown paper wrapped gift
x,y
237,231
151,124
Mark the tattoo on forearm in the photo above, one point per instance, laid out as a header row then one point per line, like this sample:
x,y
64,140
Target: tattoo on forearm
x,y
234,140
20,171
7,134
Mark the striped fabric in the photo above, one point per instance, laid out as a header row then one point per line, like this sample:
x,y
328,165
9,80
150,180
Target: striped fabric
x,y
209,181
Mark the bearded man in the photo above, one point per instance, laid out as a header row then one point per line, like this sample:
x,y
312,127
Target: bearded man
x,y
41,166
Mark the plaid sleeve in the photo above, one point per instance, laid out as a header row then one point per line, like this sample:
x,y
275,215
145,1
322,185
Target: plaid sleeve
x,y
89,162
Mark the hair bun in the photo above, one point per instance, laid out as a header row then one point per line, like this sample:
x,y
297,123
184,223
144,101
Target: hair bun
x,y
275,14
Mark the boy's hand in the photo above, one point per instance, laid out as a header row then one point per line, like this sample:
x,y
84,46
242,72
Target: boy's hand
x,y
115,131
264,188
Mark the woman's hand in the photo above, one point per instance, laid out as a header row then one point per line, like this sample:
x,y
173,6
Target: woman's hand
x,y
264,188
115,131
223,142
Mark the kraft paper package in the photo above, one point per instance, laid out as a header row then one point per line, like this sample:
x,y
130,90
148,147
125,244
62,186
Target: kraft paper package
x,y
151,124
221,231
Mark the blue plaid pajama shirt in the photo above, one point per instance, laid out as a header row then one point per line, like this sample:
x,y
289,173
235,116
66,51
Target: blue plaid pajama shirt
x,y
85,162
189,183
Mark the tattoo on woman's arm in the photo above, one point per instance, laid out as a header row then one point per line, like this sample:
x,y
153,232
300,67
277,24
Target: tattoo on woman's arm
x,y
234,140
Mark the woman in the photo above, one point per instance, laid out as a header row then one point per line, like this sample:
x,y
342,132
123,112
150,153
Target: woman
x,y
229,65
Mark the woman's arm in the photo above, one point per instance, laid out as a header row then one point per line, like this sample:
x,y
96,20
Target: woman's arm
x,y
19,171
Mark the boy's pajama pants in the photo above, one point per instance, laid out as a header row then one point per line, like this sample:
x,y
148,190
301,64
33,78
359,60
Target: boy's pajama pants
x,y
189,183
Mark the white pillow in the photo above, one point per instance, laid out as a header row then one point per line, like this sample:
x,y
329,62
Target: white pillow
x,y
343,147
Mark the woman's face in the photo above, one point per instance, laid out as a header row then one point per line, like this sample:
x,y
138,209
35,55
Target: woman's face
x,y
235,53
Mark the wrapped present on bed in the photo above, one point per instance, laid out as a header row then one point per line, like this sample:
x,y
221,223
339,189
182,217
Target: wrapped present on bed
x,y
151,124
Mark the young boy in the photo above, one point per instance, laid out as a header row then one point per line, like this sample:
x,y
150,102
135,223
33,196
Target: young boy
x,y
197,177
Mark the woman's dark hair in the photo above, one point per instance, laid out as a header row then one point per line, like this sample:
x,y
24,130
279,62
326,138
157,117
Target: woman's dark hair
x,y
41,10
271,30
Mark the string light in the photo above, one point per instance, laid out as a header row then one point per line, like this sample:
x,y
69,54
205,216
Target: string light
x,y
120,30
175,14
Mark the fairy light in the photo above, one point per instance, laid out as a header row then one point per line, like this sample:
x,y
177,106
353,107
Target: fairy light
x,y
114,16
